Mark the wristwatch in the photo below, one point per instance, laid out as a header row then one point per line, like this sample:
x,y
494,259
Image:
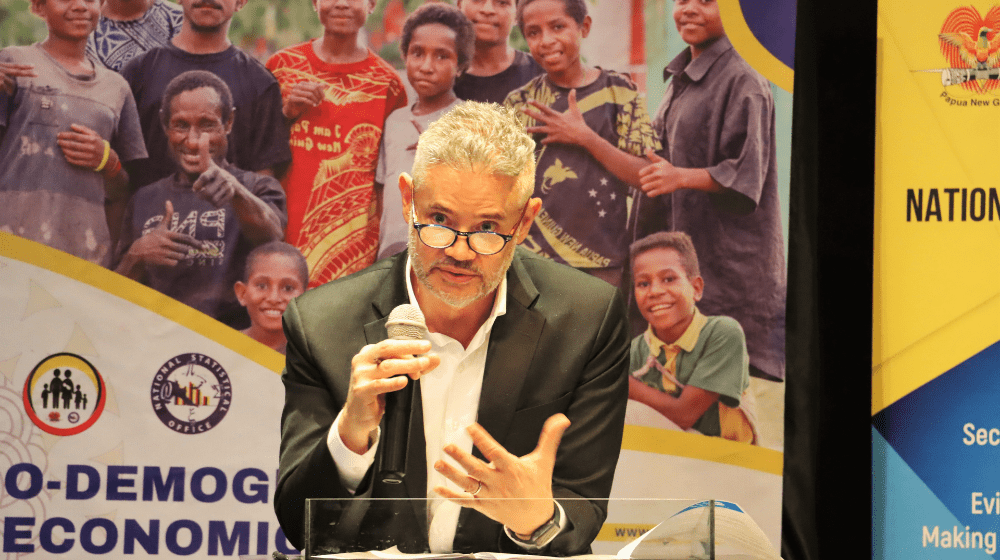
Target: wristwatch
x,y
544,534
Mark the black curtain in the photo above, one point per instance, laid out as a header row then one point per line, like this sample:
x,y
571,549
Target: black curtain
x,y
827,474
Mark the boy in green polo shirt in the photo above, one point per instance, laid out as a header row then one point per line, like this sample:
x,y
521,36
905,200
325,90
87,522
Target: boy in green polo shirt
x,y
690,368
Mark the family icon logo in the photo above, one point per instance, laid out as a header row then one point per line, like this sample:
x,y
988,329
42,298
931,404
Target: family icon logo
x,y
970,44
191,393
64,394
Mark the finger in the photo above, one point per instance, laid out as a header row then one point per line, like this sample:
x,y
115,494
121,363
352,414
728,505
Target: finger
x,y
374,387
490,448
174,253
319,93
168,215
545,109
82,130
205,182
472,464
572,100
74,137
182,241
300,97
552,431
204,153
18,70
408,366
391,348
653,157
463,499
462,480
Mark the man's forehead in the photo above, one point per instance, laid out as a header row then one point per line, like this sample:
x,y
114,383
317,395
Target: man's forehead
x,y
478,192
204,98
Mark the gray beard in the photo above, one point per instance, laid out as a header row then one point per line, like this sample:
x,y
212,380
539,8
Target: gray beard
x,y
489,283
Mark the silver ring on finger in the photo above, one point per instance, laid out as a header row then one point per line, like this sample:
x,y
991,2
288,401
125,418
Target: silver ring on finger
x,y
478,488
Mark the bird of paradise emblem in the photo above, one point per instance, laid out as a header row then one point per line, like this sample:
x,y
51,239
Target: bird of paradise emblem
x,y
971,41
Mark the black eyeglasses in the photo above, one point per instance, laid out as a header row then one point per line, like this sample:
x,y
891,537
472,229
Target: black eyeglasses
x,y
437,236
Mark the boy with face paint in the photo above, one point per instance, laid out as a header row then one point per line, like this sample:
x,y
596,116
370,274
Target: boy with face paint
x,y
336,95
188,235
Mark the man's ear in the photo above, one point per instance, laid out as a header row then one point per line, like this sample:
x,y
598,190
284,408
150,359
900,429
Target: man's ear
x,y
240,4
406,192
534,207
241,289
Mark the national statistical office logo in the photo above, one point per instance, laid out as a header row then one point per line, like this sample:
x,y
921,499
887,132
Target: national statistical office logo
x,y
191,393
64,394
970,44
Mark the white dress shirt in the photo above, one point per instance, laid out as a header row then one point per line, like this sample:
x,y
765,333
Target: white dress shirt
x,y
450,398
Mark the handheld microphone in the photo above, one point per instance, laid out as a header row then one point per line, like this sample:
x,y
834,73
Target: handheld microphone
x,y
405,322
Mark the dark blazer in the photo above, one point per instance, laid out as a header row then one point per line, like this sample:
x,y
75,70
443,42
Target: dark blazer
x,y
562,346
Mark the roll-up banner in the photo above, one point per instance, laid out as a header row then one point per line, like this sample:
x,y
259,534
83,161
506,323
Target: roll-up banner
x,y
132,424
935,421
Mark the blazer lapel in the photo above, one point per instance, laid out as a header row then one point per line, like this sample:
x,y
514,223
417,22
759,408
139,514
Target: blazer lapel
x,y
512,345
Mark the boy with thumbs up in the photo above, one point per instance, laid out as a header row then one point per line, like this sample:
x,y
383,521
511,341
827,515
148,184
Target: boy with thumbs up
x,y
716,179
188,235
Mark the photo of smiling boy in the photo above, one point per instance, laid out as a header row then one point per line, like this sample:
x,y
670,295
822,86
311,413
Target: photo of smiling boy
x,y
66,125
591,128
437,47
496,68
337,94
275,273
690,368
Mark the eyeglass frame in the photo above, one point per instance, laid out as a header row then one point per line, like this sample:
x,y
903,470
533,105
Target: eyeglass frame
x,y
506,237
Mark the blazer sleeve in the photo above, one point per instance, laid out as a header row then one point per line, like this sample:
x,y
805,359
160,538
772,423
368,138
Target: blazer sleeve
x,y
588,453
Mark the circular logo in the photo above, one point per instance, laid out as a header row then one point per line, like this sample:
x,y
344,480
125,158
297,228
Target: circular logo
x,y
191,393
64,394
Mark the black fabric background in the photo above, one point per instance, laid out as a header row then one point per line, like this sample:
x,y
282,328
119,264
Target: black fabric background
x,y
827,472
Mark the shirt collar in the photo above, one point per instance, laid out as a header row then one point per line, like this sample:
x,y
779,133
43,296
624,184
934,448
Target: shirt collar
x,y
686,342
499,303
697,68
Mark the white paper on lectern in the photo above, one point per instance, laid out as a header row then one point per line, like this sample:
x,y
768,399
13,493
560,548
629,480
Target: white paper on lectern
x,y
737,537
685,535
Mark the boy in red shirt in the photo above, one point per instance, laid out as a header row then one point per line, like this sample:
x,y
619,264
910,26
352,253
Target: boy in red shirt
x,y
337,95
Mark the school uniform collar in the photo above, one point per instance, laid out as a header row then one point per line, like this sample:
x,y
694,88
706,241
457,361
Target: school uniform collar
x,y
697,68
686,342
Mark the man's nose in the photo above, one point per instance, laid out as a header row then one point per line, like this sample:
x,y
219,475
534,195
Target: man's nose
x,y
460,249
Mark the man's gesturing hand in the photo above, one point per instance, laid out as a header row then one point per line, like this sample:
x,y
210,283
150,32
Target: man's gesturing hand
x,y
515,491
215,184
376,370
164,247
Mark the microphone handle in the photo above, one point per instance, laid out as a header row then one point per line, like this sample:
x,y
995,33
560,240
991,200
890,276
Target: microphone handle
x,y
397,427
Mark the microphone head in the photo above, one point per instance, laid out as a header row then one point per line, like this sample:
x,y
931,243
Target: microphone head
x,y
406,322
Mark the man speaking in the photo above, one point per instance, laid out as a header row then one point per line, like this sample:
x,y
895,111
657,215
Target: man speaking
x,y
522,388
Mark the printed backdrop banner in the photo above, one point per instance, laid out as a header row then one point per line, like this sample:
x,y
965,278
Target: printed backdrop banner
x,y
935,423
162,439
132,424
